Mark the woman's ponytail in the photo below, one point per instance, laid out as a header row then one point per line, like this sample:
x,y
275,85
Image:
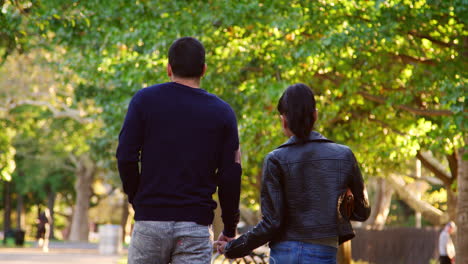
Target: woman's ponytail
x,y
297,104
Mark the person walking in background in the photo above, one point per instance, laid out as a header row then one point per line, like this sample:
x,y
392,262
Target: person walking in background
x,y
446,247
186,140
304,186
41,222
43,229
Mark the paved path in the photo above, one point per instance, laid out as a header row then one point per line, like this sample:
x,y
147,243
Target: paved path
x,y
63,253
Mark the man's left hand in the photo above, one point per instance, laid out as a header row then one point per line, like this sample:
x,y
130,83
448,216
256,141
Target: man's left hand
x,y
220,245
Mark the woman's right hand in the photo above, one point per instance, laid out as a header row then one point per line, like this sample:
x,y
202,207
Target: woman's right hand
x,y
220,245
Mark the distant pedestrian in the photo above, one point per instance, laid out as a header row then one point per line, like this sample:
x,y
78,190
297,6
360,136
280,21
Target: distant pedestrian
x,y
41,227
43,230
446,247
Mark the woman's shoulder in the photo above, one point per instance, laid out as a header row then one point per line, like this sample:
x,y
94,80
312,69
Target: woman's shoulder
x,y
312,150
341,151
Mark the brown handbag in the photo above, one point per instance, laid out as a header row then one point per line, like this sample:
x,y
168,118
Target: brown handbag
x,y
347,204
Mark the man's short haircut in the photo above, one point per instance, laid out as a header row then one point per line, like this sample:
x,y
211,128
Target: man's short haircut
x,y
187,57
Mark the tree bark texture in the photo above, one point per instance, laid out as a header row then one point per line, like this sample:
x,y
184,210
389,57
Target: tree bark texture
x,y
6,206
50,205
218,225
250,217
85,173
447,177
381,204
124,220
20,218
129,226
451,203
462,211
45,245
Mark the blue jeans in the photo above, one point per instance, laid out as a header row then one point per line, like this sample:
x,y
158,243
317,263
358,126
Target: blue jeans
x,y
155,242
294,252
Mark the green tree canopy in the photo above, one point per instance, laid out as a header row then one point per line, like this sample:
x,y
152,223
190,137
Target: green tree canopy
x,y
388,75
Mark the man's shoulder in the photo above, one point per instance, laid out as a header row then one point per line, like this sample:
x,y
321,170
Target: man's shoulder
x,y
152,89
146,91
166,87
221,104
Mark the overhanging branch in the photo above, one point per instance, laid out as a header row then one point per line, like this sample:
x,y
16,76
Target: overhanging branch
x,y
422,112
383,124
453,163
329,77
64,112
431,39
429,212
409,59
435,167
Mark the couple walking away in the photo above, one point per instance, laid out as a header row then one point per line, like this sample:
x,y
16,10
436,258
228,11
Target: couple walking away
x,y
179,143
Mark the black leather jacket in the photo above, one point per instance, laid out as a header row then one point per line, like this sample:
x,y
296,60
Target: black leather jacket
x,y
302,184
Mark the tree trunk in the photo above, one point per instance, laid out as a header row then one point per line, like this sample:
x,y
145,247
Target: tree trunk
x,y
462,211
417,215
124,219
20,219
218,225
429,212
381,205
250,217
80,225
6,207
50,204
448,178
451,203
128,227
67,229
45,246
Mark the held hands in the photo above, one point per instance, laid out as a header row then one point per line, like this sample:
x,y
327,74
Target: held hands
x,y
220,244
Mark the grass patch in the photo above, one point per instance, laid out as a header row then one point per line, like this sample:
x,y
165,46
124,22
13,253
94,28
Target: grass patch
x,y
10,243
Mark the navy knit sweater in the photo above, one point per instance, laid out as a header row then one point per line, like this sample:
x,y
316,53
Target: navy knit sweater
x,y
185,140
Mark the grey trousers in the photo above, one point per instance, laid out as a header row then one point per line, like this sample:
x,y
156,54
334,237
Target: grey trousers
x,y
155,242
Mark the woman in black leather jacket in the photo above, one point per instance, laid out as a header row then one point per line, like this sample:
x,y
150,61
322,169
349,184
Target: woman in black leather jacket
x,y
305,215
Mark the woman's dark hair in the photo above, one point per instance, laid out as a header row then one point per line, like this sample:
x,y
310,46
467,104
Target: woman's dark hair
x,y
297,104
187,57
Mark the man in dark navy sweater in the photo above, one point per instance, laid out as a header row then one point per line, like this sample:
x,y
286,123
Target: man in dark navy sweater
x,y
187,144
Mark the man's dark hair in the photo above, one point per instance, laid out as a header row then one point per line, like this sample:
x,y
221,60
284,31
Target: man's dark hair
x,y
187,57
297,104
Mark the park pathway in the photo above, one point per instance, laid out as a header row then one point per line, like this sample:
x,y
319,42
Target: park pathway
x,y
63,253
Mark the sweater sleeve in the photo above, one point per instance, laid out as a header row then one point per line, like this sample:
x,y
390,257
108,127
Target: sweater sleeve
x,y
229,177
129,149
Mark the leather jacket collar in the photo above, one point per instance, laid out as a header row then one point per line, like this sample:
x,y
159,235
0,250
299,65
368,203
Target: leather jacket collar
x,y
313,137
